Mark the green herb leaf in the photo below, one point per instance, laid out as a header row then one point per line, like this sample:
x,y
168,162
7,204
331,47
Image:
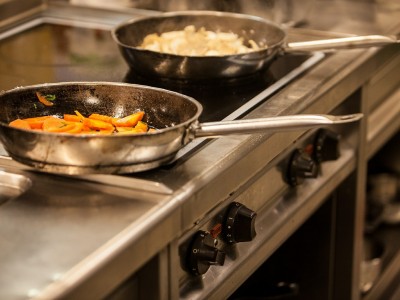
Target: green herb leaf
x,y
50,97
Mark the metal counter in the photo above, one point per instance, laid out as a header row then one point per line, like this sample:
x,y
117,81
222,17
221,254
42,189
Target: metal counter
x,y
80,238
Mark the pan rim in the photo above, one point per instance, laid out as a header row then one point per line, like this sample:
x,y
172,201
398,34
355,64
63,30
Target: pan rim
x,y
199,13
159,131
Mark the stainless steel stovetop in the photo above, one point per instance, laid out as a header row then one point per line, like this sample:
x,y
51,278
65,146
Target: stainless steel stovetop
x,y
66,234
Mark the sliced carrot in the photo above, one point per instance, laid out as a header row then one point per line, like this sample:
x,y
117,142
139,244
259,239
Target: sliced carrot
x,y
81,117
72,118
97,124
103,118
94,124
43,99
138,130
141,126
129,121
106,131
123,129
18,123
78,126
125,132
53,124
86,128
36,122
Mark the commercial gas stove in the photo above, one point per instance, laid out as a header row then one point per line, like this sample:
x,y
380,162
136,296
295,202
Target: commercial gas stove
x,y
139,235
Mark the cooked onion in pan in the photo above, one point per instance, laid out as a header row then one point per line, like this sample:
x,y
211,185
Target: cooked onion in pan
x,y
201,42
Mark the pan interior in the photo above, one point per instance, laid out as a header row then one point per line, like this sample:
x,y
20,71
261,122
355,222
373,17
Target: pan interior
x,y
162,108
261,31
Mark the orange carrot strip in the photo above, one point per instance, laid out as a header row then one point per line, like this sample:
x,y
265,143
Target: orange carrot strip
x,y
97,124
94,124
81,117
78,126
72,118
103,118
43,99
123,129
53,124
129,121
86,128
18,123
106,131
141,126
36,122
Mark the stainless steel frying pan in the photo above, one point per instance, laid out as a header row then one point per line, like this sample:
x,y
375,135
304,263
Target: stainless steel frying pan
x,y
175,115
130,34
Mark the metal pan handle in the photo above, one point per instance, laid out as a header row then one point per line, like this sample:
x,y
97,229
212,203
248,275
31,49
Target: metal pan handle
x,y
340,43
271,125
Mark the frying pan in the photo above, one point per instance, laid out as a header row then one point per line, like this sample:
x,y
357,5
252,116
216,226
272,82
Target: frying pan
x,y
130,34
175,115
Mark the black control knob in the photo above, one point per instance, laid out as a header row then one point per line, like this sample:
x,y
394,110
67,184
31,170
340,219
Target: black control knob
x,y
301,165
203,253
326,146
239,224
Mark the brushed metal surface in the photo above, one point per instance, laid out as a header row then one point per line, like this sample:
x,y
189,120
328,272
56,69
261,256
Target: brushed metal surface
x,y
106,227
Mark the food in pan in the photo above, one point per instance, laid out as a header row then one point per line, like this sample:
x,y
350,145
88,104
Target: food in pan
x,y
46,99
201,42
78,124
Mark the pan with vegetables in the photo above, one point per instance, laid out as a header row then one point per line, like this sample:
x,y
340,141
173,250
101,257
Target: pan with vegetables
x,y
171,121
159,45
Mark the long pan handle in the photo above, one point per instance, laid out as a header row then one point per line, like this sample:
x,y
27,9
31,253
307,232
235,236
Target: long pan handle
x,y
340,43
271,125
